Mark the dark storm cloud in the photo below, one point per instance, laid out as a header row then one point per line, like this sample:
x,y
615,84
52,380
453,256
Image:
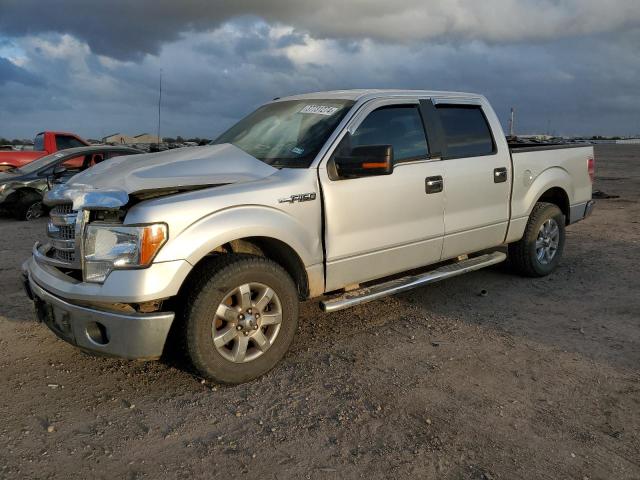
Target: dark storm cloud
x,y
127,29
567,66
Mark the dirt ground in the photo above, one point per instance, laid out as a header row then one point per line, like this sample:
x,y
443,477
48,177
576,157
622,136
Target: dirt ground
x,y
538,379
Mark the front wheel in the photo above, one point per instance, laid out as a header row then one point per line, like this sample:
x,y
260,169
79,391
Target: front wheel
x,y
539,251
29,206
240,317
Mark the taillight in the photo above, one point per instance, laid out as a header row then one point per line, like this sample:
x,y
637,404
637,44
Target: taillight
x,y
591,167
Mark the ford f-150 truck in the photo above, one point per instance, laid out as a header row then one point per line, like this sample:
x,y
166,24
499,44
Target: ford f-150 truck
x,y
45,143
331,195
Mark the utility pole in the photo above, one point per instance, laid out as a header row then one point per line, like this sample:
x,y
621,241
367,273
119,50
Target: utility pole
x,y
159,111
511,122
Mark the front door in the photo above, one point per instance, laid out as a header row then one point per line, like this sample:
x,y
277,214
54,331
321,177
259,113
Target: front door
x,y
380,225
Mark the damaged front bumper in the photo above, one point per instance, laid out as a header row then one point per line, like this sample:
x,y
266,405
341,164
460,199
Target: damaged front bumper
x,y
74,311
131,336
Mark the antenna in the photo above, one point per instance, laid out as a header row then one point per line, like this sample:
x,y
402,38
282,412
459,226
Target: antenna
x,y
159,111
512,121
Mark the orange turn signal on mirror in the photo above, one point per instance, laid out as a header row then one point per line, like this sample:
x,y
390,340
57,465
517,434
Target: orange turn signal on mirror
x,y
153,237
374,165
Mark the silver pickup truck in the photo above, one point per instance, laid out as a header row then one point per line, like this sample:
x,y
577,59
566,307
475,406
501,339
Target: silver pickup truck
x,y
330,195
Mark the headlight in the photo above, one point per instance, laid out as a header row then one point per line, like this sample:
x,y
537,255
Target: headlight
x,y
111,247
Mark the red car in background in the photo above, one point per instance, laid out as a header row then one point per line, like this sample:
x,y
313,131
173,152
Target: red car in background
x,y
45,143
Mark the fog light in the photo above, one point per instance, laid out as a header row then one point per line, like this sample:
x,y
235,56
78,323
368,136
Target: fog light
x,y
97,333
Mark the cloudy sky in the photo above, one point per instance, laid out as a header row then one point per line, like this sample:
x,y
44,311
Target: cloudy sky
x,y
92,67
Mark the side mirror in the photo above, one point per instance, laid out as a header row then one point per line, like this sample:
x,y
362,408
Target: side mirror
x,y
365,161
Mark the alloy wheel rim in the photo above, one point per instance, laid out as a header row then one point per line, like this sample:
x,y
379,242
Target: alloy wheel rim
x,y
34,211
247,322
547,241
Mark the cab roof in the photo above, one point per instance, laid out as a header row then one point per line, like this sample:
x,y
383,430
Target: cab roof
x,y
369,94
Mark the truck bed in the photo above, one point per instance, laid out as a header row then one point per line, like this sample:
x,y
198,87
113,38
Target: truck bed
x,y
538,167
531,147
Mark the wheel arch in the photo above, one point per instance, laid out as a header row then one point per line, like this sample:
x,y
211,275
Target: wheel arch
x,y
271,248
553,185
18,191
559,197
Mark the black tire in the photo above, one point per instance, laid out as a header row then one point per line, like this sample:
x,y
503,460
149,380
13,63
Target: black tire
x,y
29,206
523,254
206,290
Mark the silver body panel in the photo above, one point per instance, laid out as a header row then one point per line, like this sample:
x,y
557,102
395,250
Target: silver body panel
x,y
347,232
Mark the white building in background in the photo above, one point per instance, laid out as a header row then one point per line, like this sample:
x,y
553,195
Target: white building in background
x,y
118,138
146,138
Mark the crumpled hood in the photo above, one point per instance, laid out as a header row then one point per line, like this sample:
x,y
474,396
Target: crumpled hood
x,y
190,166
108,184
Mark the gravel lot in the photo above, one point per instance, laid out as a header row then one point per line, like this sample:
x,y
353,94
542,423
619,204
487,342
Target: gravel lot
x,y
538,379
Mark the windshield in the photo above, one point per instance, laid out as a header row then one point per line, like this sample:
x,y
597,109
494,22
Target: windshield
x,y
38,142
288,133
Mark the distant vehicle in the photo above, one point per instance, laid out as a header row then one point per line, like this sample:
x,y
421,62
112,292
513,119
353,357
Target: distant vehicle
x,y
155,147
5,148
345,194
45,143
22,189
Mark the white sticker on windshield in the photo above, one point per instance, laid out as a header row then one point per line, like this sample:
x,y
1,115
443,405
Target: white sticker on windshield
x,y
319,109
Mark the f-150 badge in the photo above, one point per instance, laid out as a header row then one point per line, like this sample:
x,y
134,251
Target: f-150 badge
x,y
299,197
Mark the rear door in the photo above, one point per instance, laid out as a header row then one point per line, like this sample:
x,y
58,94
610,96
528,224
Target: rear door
x,y
476,171
380,225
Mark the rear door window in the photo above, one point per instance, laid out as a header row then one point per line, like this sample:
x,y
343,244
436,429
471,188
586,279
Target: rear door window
x,y
466,131
398,126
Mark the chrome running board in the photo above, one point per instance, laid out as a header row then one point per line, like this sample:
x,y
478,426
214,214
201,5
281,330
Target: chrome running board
x,y
375,292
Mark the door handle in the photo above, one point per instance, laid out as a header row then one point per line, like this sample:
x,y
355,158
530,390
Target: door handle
x,y
500,175
433,184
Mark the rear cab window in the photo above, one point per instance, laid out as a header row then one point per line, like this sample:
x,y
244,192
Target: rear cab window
x,y
65,141
466,131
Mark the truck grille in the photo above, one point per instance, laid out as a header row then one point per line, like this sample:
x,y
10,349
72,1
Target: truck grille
x,y
63,209
61,231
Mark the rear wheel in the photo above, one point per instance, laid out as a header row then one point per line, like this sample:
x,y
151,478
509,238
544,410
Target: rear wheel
x,y
240,317
539,251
